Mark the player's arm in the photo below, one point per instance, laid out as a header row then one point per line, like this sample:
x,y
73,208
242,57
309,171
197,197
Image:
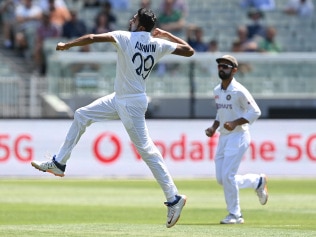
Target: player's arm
x,y
85,40
252,113
211,130
231,125
183,48
247,102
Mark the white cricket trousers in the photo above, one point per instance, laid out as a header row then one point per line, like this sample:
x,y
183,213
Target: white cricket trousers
x,y
131,111
230,150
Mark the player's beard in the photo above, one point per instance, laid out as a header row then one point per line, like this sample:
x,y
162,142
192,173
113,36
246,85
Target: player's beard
x,y
224,75
132,27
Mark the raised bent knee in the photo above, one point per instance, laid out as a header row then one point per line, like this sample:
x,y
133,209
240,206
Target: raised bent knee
x,y
79,117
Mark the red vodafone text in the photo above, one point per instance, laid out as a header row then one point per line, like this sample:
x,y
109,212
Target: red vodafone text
x,y
184,149
296,148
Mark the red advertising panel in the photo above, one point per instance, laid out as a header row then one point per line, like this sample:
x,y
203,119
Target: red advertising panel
x,y
278,148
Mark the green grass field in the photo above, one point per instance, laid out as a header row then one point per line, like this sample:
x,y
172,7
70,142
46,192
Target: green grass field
x,y
71,207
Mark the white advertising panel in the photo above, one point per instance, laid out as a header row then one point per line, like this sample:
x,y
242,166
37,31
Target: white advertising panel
x,y
278,148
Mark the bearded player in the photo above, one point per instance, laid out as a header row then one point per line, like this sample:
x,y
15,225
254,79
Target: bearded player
x,y
236,109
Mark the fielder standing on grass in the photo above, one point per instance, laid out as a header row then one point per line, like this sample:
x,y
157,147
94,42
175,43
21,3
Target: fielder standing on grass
x,y
236,109
138,51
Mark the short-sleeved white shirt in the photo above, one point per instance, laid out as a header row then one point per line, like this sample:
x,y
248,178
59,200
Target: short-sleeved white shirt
x,y
22,11
137,54
233,103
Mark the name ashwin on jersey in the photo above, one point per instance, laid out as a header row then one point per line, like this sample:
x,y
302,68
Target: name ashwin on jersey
x,y
147,48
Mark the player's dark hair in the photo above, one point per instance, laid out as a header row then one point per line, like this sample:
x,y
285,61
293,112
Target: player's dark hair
x,y
146,18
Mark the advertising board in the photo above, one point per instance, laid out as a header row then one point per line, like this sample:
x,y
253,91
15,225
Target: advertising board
x,y
278,148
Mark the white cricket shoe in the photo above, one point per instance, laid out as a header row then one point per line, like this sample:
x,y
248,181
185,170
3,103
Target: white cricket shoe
x,y
262,189
232,219
51,166
174,210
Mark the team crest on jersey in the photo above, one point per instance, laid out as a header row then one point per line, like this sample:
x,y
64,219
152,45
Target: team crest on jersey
x,y
228,97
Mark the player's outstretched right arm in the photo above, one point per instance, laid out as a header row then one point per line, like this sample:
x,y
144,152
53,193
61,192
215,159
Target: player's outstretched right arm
x,y
183,48
85,40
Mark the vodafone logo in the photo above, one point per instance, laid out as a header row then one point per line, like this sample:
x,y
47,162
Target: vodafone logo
x,y
108,140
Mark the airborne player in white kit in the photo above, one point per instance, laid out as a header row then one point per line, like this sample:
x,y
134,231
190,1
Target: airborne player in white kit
x,y
138,51
236,109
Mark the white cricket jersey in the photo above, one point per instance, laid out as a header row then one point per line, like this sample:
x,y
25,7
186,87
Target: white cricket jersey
x,y
233,103
137,53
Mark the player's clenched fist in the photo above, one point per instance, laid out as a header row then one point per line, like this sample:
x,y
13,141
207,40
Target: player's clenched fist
x,y
210,131
61,46
230,126
158,33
